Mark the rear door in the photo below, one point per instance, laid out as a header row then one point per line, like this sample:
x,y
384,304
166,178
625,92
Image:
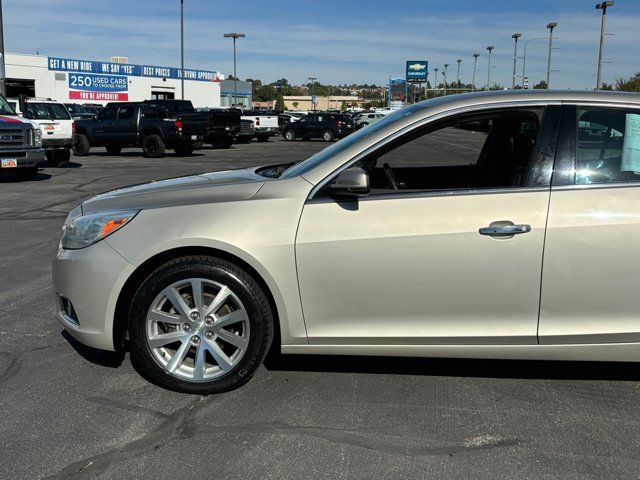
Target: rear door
x,y
591,266
104,124
124,130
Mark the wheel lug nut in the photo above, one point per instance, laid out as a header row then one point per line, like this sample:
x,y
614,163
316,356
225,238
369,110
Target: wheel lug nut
x,y
194,315
208,320
186,327
209,335
195,339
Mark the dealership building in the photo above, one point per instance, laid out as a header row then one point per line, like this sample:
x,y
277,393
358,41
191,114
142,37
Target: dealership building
x,y
70,80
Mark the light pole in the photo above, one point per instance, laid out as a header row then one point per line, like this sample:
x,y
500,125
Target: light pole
x,y
313,81
444,74
524,57
458,75
489,49
181,48
550,26
235,36
435,79
475,63
515,37
3,77
600,6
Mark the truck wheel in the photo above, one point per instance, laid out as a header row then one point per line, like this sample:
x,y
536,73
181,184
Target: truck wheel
x,y
184,149
81,145
28,173
244,139
263,137
52,158
289,135
64,156
227,142
113,149
328,136
153,146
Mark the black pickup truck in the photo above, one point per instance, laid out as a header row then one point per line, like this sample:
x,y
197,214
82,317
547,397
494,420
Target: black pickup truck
x,y
148,124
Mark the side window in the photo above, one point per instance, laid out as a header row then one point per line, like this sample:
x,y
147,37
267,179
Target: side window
x,y
151,113
125,113
492,150
608,146
109,113
36,111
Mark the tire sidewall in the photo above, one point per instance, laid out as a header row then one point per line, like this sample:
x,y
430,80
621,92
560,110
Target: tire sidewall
x,y
156,144
289,135
328,136
245,290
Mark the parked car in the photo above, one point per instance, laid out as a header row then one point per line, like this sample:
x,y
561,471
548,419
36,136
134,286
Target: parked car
x,y
285,118
94,108
20,143
224,126
56,124
367,119
78,112
266,123
140,124
247,131
478,225
327,126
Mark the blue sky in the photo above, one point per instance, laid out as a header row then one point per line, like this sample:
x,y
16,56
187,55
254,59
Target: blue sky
x,y
337,41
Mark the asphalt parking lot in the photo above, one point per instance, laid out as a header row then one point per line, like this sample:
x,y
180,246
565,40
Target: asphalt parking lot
x,y
71,412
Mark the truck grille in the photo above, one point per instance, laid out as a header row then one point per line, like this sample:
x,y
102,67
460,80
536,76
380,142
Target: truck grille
x,y
11,138
247,127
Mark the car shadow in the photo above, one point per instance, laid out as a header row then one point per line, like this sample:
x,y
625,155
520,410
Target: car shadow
x,y
441,367
99,357
9,177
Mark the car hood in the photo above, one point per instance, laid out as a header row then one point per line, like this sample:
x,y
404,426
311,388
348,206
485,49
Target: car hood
x,y
226,186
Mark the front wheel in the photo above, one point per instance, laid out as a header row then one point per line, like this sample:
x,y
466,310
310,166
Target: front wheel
x,y
199,324
289,135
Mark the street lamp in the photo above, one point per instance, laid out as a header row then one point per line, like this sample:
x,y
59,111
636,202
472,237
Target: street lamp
x,y
435,85
515,37
524,57
444,74
458,75
475,63
600,6
550,26
489,49
313,81
235,36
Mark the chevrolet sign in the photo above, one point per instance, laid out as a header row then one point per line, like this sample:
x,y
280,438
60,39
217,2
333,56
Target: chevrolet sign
x,y
417,71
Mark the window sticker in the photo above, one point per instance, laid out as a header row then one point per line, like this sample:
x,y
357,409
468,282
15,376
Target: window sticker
x,y
631,147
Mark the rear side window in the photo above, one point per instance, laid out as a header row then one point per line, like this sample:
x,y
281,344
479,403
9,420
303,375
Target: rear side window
x,y
125,113
608,146
36,111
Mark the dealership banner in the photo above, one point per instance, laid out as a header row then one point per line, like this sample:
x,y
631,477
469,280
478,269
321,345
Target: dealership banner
x,y
417,71
91,86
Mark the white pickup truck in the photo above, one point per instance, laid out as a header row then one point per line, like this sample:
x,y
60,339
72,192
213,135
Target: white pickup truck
x,y
56,124
266,123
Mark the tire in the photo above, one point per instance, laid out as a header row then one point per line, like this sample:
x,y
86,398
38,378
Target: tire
x,y
113,149
255,327
216,141
184,149
328,136
263,137
28,173
289,135
52,158
81,145
153,146
244,139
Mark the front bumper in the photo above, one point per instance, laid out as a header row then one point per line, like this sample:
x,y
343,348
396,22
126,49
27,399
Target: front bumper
x,y
33,157
89,279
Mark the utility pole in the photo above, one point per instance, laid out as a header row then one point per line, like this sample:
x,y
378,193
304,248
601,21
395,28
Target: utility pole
x,y
458,75
524,58
600,6
444,74
515,37
475,63
489,49
313,81
435,85
550,26
181,47
235,36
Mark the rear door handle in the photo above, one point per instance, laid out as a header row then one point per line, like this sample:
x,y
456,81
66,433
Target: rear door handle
x,y
505,230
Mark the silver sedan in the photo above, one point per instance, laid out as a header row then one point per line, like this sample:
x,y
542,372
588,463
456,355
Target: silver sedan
x,y
488,225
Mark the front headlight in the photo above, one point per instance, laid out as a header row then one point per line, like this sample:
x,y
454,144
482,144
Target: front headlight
x,y
84,230
37,137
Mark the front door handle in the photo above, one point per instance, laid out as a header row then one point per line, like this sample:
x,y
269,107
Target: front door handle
x,y
502,230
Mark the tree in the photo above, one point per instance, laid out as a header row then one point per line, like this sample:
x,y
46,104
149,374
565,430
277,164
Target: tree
x,y
629,85
295,105
541,85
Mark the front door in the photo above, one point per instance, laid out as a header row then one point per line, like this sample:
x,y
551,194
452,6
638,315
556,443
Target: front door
x,y
447,248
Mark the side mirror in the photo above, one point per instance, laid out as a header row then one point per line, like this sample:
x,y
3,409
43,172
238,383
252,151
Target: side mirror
x,y
350,183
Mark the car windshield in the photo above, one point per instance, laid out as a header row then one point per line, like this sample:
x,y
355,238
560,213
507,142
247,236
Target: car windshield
x,y
57,111
5,108
310,163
